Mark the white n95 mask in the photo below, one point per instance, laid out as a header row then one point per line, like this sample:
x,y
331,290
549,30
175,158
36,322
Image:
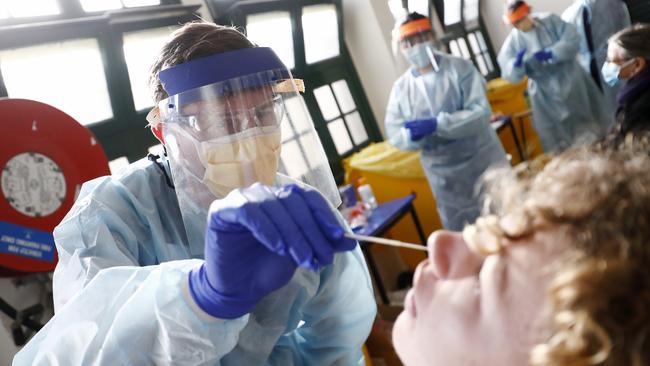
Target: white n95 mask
x,y
239,160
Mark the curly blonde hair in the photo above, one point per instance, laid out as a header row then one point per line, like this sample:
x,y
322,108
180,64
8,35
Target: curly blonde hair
x,y
599,295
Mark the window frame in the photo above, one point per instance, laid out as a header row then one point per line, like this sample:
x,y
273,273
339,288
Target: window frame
x,y
463,30
320,73
124,134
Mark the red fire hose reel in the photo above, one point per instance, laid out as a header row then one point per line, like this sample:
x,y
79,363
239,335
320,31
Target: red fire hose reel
x,y
45,156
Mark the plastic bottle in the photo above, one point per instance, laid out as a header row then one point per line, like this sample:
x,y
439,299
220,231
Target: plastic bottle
x,y
366,194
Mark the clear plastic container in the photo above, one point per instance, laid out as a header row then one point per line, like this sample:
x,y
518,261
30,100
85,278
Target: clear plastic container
x,y
366,194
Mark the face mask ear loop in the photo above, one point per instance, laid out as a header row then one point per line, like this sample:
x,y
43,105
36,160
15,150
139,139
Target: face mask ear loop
x,y
626,64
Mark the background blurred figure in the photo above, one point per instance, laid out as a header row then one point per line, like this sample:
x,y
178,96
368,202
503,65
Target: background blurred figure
x,y
596,21
628,56
439,106
567,105
557,274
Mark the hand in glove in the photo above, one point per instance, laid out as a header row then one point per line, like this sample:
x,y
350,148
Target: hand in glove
x,y
255,239
421,128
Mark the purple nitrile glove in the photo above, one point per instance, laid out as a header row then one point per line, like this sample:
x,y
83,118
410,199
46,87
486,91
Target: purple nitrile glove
x,y
420,128
519,60
255,239
543,55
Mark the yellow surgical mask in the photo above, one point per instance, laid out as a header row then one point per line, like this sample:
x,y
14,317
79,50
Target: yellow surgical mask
x,y
241,160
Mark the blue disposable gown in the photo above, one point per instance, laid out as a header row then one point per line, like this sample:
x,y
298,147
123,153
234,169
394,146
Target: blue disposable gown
x,y
121,293
567,105
464,145
606,18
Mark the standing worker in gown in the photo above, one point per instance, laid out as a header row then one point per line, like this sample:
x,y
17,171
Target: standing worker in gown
x,y
596,21
439,106
567,105
154,271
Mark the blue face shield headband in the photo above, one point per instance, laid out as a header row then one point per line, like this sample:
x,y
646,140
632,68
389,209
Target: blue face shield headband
x,y
238,64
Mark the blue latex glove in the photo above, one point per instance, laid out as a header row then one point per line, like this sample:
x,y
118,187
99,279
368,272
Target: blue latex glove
x,y
543,55
255,240
519,60
420,128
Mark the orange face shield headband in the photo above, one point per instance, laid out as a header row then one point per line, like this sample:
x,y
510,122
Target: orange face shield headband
x,y
414,27
517,15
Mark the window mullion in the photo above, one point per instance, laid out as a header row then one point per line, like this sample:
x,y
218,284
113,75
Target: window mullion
x,y
71,8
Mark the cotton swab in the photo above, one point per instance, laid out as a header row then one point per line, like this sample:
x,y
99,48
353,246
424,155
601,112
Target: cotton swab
x,y
390,242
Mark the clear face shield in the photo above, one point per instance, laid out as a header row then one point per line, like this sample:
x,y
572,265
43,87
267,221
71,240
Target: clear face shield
x,y
417,43
235,119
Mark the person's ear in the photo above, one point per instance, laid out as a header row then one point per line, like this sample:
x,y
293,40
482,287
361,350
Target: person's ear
x,y
641,64
450,256
153,117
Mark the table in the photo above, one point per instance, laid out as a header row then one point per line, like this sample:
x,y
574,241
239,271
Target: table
x,y
520,117
500,124
382,218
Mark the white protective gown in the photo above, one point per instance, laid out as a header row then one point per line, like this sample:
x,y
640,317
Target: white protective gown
x,y
121,295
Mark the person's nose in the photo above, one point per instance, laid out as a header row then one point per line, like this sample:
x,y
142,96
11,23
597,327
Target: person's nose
x,y
450,257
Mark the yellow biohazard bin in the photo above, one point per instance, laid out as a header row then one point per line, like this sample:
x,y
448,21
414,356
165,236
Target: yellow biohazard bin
x,y
511,100
393,173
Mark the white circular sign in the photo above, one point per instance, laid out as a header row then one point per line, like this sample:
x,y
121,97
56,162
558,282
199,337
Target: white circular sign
x,y
33,184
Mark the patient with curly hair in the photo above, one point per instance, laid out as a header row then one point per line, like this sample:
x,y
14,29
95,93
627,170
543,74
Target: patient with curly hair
x,y
557,272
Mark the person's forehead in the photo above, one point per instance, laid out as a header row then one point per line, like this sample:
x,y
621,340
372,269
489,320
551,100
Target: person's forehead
x,y
418,36
615,52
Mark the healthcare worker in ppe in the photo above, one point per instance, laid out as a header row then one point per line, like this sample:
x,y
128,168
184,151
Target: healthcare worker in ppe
x,y
207,255
596,21
567,105
439,106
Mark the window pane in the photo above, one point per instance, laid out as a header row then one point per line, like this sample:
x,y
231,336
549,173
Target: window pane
x,y
474,44
294,106
453,47
273,30
138,50
299,123
481,64
343,96
321,32
463,48
32,8
420,6
326,102
96,5
157,150
471,12
490,66
293,159
116,166
312,159
4,13
67,75
286,128
340,136
356,127
452,11
481,40
134,3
